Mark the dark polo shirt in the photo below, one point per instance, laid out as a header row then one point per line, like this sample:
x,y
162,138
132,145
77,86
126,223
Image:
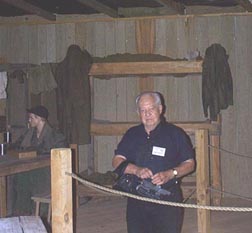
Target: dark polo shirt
x,y
165,148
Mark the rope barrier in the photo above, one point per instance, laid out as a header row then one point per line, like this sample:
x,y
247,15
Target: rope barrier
x,y
232,194
238,155
230,152
116,192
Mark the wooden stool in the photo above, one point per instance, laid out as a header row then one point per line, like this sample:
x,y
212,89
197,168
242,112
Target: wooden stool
x,y
38,199
43,199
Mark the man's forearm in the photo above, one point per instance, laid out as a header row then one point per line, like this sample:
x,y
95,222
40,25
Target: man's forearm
x,y
130,169
185,168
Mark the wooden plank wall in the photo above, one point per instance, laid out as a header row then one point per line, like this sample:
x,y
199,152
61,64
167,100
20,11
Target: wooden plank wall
x,y
113,99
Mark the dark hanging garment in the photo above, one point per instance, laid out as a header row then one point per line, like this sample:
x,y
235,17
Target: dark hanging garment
x,y
73,95
217,84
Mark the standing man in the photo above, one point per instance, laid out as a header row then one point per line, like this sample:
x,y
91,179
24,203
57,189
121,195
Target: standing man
x,y
159,151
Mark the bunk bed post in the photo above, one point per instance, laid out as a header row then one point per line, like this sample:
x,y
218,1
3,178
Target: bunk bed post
x,y
61,185
215,164
202,179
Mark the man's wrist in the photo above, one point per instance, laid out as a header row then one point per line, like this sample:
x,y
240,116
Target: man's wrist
x,y
175,172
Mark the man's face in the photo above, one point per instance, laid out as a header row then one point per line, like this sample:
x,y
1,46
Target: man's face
x,y
33,120
149,112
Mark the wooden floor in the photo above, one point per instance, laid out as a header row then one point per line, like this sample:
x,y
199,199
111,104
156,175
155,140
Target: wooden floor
x,y
108,216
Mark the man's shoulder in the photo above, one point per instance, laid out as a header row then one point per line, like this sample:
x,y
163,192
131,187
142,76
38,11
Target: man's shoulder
x,y
135,128
172,127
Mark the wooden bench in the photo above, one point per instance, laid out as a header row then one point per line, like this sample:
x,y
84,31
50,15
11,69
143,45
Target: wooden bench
x,y
22,224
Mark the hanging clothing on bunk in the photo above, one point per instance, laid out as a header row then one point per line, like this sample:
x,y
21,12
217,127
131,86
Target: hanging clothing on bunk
x,y
217,84
41,79
73,95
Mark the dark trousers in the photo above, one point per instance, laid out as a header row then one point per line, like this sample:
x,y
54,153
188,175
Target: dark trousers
x,y
146,217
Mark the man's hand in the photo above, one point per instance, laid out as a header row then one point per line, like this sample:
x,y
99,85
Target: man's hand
x,y
162,177
143,173
183,169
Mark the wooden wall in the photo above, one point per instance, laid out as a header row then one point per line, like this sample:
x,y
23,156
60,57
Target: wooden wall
x,y
113,99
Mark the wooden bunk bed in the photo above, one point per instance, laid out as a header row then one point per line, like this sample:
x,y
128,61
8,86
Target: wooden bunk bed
x,y
202,130
62,204
143,68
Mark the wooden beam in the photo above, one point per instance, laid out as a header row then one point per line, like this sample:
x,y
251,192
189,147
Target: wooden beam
x,y
216,166
143,68
100,7
17,167
178,7
62,204
3,199
246,4
145,38
119,128
31,9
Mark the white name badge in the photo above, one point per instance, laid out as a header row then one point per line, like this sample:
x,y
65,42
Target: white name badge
x,y
159,151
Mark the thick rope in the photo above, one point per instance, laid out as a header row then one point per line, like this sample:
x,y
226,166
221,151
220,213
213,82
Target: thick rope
x,y
229,193
116,192
229,152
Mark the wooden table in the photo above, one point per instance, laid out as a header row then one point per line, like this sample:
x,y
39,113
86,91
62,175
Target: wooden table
x,y
11,165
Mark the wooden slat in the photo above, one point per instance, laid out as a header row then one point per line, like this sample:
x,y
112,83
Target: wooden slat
x,y
27,224
145,38
141,68
119,128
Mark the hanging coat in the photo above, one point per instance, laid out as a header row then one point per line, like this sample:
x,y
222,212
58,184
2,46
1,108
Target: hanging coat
x,y
217,83
73,95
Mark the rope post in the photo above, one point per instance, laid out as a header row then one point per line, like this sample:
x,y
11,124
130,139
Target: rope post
x,y
61,185
202,179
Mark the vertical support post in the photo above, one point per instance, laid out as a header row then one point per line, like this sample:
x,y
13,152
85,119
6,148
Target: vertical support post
x,y
75,169
215,165
3,196
145,42
61,185
91,152
202,179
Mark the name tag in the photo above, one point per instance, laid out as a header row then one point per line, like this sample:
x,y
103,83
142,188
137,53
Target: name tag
x,y
159,151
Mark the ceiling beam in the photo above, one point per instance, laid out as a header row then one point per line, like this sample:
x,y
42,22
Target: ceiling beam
x,y
246,4
21,4
100,7
178,7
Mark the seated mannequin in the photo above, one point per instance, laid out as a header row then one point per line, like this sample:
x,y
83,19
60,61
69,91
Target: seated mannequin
x,y
41,137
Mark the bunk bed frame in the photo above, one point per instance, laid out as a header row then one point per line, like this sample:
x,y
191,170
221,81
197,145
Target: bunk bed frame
x,y
201,130
117,69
